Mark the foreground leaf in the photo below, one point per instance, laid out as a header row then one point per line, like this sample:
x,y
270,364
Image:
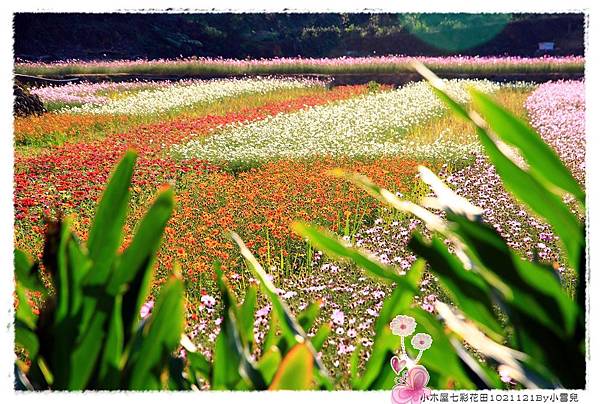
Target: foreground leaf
x,y
295,371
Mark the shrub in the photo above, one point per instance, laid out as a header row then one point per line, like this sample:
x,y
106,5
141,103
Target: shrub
x,y
88,334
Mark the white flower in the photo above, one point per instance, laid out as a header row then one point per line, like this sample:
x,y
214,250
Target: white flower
x,y
368,125
208,300
338,317
421,341
184,93
403,326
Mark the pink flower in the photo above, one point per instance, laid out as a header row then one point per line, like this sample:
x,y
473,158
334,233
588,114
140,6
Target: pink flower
x,y
208,300
505,376
403,326
146,309
263,312
337,317
421,341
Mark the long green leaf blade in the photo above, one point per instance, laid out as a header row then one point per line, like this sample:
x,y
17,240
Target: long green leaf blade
x,y
106,230
543,160
466,288
145,243
162,335
329,244
531,192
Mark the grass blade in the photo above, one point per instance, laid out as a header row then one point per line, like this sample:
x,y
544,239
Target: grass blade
x,y
292,331
329,244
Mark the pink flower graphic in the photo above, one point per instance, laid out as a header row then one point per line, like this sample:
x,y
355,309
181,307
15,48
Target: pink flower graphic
x,y
414,389
403,325
421,341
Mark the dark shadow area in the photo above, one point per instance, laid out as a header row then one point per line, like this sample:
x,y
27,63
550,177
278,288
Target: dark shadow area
x,y
59,36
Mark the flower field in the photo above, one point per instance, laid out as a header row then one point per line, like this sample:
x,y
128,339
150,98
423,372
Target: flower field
x,y
337,130
253,155
383,64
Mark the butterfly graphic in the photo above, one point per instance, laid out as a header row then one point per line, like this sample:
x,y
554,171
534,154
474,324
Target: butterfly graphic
x,y
412,386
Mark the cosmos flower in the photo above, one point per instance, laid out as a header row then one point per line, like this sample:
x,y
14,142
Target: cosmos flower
x,y
357,127
208,300
337,317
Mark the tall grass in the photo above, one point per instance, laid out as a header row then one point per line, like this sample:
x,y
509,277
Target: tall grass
x,y
370,65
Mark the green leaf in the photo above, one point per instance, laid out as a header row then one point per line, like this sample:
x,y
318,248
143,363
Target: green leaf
x,y
24,312
546,283
543,161
295,371
466,288
246,318
26,338
272,338
385,343
329,244
225,373
27,272
268,363
441,358
110,366
162,335
531,192
106,231
308,316
145,243
534,289
79,266
232,360
354,362
83,357
320,336
198,363
63,267
133,271
543,317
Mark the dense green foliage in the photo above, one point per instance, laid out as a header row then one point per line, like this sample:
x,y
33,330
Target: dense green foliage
x,y
88,334
47,37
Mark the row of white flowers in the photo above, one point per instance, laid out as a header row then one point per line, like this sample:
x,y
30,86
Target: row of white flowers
x,y
366,126
188,93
